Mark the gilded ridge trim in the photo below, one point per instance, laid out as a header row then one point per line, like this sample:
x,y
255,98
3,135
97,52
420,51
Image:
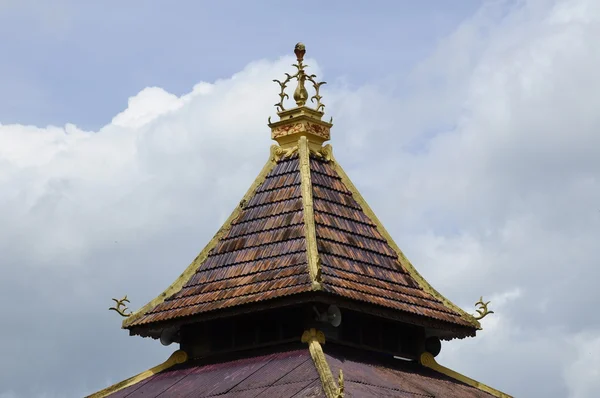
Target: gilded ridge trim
x,y
309,215
401,257
176,358
315,338
193,267
429,361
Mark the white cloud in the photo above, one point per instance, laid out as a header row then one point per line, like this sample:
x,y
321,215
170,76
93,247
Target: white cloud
x,y
583,373
487,175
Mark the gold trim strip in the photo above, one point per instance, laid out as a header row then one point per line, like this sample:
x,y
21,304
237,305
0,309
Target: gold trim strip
x,y
309,215
429,361
315,338
193,267
176,358
401,257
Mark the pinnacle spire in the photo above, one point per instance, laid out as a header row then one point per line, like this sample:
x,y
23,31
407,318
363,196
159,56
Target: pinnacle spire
x,y
302,120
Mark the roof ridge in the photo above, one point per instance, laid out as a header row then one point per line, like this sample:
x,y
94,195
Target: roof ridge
x,y
314,338
309,214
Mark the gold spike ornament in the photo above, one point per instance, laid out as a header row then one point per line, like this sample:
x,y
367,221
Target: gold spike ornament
x,y
483,309
303,119
121,308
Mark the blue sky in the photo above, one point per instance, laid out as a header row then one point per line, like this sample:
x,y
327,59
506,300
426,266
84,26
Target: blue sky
x,y
79,61
471,130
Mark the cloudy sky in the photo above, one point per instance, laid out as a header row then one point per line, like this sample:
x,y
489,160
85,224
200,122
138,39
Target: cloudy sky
x,y
130,130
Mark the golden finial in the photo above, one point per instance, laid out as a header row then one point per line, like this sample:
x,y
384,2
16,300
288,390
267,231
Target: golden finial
x,y
483,309
300,94
121,307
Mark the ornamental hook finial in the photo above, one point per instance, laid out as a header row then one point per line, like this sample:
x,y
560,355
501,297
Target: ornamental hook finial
x,y
300,94
483,309
121,307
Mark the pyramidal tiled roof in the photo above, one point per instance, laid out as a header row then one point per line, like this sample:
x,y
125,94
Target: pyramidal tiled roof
x,y
302,227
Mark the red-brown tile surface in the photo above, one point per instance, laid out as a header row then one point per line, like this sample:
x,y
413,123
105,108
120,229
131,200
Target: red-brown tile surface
x,y
262,256
356,261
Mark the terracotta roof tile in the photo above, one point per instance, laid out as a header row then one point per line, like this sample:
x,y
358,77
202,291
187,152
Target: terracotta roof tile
x,y
249,268
378,271
358,263
246,295
263,224
263,254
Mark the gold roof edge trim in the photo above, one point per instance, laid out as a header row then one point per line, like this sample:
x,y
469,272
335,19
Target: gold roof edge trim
x,y
199,260
309,215
429,361
314,338
401,257
176,358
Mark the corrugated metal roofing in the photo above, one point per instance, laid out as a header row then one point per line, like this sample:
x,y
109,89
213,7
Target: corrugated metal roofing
x,y
375,376
293,374
281,375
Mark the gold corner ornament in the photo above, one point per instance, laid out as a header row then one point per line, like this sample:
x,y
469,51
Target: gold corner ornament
x,y
278,153
313,335
325,153
300,94
121,307
483,309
